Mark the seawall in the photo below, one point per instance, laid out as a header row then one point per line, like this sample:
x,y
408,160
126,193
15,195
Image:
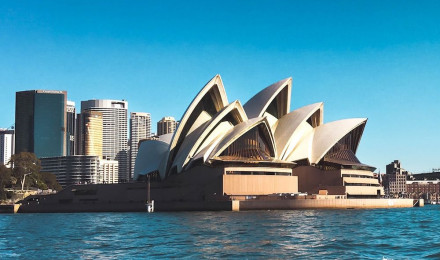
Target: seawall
x,y
325,204
10,208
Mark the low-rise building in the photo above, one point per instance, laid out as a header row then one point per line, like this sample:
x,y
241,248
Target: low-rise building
x,y
427,189
432,176
394,184
76,169
80,169
108,171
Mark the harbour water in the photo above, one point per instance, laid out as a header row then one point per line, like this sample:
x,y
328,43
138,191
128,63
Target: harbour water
x,y
409,233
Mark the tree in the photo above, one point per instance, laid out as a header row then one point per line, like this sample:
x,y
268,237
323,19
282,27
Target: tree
x,y
5,180
25,163
5,176
51,181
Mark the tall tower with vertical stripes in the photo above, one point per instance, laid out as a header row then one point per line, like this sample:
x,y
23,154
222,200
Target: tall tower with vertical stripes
x,y
114,133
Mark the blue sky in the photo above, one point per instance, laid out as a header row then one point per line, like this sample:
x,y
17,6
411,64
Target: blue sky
x,y
374,59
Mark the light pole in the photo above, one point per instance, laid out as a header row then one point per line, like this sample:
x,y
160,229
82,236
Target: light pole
x,y
24,178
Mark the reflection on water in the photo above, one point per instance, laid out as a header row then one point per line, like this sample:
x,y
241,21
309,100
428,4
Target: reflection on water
x,y
341,234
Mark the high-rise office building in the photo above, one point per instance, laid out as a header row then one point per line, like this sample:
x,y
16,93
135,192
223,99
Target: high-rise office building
x,y
89,133
114,134
140,128
166,125
6,146
40,122
70,128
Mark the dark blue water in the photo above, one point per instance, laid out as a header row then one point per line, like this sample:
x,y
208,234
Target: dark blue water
x,y
331,234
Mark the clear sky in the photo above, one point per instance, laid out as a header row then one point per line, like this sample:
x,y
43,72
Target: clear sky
x,y
374,59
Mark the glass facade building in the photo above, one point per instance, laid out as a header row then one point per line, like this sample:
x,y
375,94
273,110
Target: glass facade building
x,y
89,133
40,121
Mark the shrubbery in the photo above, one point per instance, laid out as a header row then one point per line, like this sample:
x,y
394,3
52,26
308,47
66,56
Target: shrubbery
x,y
25,163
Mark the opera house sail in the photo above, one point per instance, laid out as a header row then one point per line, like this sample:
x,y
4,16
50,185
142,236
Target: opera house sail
x,y
225,151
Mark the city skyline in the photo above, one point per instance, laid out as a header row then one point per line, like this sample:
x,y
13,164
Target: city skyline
x,y
363,59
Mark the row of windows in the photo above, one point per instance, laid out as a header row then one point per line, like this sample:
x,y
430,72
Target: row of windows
x,y
362,184
358,176
257,173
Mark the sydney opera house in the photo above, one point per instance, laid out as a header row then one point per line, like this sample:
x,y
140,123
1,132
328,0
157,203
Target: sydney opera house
x,y
223,151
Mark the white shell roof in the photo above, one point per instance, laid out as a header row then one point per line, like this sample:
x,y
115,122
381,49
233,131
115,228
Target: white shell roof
x,y
257,105
219,132
303,149
287,126
149,158
327,135
166,138
195,140
205,134
315,144
216,85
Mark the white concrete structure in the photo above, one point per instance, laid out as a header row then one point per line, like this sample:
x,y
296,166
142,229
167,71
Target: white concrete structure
x,y
140,129
108,171
272,102
146,150
262,134
114,115
6,146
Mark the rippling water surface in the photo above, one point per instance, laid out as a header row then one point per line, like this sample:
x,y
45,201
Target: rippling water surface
x,y
305,234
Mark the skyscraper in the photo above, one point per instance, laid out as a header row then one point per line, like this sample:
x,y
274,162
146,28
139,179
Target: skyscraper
x,y
6,145
70,129
166,125
114,134
40,122
89,133
140,128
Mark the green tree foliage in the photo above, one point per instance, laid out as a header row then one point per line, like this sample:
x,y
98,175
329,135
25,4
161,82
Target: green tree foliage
x,y
51,181
27,163
5,176
5,180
